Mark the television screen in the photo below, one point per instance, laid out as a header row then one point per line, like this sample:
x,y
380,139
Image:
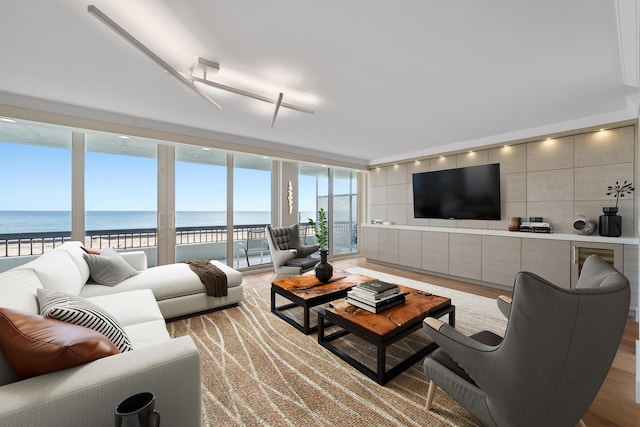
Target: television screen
x,y
464,193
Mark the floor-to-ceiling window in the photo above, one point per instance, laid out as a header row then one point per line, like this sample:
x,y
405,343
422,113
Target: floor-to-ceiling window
x,y
120,191
201,203
317,187
35,197
251,208
313,191
103,188
345,211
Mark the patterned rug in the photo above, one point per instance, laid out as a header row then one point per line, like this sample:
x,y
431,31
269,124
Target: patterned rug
x,y
259,371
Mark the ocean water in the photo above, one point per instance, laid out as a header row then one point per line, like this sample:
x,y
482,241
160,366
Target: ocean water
x,y
41,221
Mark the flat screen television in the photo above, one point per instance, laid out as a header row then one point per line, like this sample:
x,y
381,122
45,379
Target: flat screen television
x,y
463,193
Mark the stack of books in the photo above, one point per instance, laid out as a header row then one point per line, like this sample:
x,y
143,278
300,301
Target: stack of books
x,y
536,227
375,296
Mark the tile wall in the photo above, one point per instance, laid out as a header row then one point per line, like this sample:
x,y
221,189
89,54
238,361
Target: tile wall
x,y
557,179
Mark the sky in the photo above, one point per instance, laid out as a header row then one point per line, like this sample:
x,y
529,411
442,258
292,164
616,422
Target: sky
x,y
39,178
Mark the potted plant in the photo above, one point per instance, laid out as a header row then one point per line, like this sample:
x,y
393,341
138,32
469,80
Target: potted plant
x,y
610,223
618,191
323,269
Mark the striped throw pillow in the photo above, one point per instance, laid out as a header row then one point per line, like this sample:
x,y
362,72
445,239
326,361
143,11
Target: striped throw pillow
x,y
78,311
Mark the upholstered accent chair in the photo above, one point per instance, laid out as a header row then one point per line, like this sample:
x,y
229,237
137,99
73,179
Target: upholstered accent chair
x,y
289,254
557,350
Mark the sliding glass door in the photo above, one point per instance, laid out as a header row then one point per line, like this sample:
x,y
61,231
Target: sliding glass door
x,y
345,211
201,203
251,209
121,195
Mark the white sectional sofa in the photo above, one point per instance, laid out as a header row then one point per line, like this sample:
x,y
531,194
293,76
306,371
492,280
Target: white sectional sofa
x,y
87,395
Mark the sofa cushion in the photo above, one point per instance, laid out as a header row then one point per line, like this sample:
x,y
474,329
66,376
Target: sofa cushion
x,y
18,290
109,268
130,308
56,270
78,311
75,250
166,281
35,345
148,333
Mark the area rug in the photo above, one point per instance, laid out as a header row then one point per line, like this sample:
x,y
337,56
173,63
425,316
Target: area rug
x,y
259,371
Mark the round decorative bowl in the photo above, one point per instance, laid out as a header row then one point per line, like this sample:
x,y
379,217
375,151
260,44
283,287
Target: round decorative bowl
x,y
584,226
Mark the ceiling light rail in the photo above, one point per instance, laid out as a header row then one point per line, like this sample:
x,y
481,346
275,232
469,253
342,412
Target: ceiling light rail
x,y
128,37
249,94
190,80
207,65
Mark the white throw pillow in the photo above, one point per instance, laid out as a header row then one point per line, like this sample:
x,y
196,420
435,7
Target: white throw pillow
x,y
109,268
79,311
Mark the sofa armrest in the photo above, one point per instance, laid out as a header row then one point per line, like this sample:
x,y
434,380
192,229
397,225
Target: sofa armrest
x,y
88,394
136,259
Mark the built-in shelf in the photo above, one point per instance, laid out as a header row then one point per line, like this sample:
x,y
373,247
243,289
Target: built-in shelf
x,y
483,231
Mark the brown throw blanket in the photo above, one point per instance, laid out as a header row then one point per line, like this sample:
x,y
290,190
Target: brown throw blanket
x,y
211,277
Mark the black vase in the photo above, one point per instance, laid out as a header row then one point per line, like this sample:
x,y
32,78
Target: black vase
x,y
323,269
610,224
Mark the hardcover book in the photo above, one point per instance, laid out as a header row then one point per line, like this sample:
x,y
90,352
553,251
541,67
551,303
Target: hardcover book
x,y
379,303
392,302
376,286
373,298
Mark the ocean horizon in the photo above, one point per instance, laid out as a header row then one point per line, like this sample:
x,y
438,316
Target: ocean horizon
x,y
56,221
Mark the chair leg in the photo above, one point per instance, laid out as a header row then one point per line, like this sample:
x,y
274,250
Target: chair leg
x,y
581,423
431,393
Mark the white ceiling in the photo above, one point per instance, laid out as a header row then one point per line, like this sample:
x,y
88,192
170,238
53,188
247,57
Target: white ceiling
x,y
387,79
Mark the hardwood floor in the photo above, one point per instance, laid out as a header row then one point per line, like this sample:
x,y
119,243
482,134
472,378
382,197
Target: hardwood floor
x,y
615,403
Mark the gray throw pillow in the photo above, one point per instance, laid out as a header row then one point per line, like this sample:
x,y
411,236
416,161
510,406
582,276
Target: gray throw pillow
x,y
79,311
109,268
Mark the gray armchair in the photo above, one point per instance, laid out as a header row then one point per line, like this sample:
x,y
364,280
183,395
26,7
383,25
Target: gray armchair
x,y
288,254
558,347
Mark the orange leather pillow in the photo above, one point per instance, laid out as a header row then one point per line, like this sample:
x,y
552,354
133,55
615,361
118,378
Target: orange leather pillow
x,y
35,345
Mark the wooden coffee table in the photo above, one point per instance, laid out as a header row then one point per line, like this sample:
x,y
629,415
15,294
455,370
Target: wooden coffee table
x,y
308,292
383,329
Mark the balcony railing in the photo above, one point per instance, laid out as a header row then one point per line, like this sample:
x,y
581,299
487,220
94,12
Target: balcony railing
x,y
23,244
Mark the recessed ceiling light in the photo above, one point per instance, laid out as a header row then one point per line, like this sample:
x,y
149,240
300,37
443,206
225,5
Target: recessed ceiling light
x,y
4,119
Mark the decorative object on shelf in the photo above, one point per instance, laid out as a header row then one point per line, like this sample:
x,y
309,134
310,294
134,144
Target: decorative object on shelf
x,y
584,226
536,226
610,223
323,269
514,223
137,411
